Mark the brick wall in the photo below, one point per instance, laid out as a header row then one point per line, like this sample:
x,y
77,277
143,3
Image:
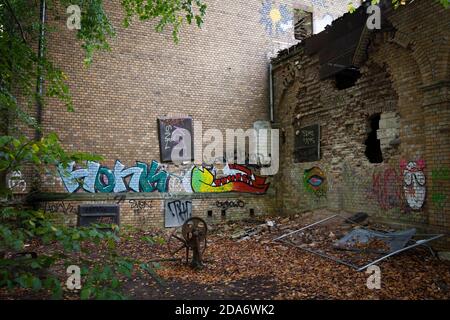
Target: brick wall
x,y
406,81
217,75
143,213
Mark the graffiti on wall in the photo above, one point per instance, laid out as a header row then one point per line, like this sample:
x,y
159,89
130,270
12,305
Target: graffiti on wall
x,y
414,183
16,182
97,178
176,212
154,177
307,144
227,204
439,177
236,178
59,206
275,19
315,181
387,188
175,134
136,205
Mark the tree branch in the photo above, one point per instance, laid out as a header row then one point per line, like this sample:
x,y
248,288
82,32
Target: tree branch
x,y
17,20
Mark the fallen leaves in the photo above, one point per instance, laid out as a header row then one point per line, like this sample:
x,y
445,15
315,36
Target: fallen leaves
x,y
257,268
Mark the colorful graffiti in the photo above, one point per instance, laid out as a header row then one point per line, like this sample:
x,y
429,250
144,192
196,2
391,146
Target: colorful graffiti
x,y
236,178
143,178
97,178
315,181
414,183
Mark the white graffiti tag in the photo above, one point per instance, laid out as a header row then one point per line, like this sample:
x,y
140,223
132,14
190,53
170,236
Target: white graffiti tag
x,y
16,182
414,183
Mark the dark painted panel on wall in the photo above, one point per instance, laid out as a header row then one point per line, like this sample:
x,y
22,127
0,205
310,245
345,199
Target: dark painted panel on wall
x,y
307,144
101,214
166,126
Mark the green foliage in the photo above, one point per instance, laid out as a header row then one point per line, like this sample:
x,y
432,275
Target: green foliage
x,y
445,3
154,240
18,228
101,275
15,153
20,67
170,13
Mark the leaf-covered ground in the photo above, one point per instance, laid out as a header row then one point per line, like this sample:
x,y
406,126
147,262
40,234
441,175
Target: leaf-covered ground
x,y
257,268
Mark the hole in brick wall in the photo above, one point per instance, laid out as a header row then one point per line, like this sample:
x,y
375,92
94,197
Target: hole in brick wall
x,y
209,213
252,212
303,24
223,213
373,149
347,78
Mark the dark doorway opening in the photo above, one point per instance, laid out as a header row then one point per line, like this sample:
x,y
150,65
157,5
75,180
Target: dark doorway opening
x,y
347,78
373,148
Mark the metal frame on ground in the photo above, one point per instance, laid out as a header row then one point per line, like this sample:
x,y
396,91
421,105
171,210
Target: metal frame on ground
x,y
415,243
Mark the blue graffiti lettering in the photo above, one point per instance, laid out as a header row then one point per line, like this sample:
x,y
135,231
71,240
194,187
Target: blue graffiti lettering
x,y
97,178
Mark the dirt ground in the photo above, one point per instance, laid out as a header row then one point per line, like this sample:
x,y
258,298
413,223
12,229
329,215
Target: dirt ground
x,y
237,266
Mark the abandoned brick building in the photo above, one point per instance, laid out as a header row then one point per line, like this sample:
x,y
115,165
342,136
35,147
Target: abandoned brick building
x,y
365,118
363,114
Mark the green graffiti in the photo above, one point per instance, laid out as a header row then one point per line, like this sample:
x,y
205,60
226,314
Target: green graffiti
x,y
97,178
315,181
152,180
438,200
105,186
440,174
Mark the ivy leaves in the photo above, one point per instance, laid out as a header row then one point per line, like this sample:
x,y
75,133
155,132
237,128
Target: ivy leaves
x,y
170,13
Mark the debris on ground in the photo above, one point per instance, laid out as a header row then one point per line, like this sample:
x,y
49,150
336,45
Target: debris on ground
x,y
258,268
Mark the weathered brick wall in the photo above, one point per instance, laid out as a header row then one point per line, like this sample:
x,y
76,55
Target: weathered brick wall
x,y
143,213
406,80
217,75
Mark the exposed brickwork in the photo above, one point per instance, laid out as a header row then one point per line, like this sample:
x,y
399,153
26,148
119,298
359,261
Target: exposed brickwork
x,y
146,213
218,75
406,80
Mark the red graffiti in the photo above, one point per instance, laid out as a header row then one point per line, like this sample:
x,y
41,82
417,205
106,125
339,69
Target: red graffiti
x,y
387,190
244,181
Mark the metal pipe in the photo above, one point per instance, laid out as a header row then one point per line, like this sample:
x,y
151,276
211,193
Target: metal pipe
x,y
271,102
40,77
306,227
418,243
327,257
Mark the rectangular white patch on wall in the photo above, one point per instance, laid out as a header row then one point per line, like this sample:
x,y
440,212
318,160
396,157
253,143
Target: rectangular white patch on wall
x,y
176,212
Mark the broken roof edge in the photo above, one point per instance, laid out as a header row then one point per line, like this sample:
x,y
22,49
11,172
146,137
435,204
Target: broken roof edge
x,y
287,53
317,40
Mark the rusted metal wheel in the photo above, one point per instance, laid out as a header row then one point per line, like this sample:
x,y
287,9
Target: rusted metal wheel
x,y
190,235
195,226
176,243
